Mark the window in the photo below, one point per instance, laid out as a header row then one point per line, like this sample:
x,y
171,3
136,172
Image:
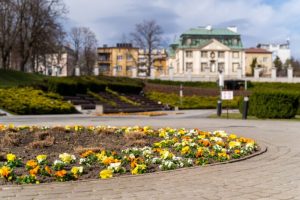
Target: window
x,y
235,54
221,66
265,59
119,57
104,68
128,68
189,54
221,54
235,66
119,68
129,57
203,54
203,66
188,41
189,66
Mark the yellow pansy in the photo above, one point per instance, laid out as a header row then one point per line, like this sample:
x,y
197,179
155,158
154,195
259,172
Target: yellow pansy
x,y
77,170
41,158
185,150
11,157
106,173
232,136
234,144
67,158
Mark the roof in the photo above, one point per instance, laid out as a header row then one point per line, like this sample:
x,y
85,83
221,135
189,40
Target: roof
x,y
257,50
212,31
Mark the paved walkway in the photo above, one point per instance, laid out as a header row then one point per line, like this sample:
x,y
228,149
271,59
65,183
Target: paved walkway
x,y
274,175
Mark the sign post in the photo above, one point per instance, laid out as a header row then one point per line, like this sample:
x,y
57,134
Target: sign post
x,y
227,95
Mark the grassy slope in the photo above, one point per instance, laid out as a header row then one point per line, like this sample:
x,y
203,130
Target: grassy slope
x,y
15,78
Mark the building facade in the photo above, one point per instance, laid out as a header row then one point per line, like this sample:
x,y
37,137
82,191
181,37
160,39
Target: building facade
x,y
128,61
159,62
121,60
57,63
283,50
263,61
206,51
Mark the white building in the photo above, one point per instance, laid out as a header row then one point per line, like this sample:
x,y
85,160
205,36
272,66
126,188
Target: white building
x,y
283,51
57,63
201,53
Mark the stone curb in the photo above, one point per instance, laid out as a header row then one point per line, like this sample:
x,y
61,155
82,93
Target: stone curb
x,y
263,149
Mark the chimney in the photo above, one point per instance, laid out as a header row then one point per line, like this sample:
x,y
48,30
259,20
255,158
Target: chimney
x,y
232,28
209,27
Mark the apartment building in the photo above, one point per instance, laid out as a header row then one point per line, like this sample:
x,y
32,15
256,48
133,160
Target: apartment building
x,y
120,60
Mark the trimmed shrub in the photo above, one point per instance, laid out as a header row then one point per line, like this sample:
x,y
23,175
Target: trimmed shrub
x,y
26,101
273,104
185,83
191,102
75,85
62,86
125,88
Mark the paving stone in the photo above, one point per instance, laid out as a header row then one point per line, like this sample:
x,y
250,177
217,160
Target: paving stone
x,y
274,175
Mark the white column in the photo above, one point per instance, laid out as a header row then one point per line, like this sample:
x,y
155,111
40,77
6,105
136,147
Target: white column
x,y
256,72
290,73
171,73
273,73
134,72
77,71
96,71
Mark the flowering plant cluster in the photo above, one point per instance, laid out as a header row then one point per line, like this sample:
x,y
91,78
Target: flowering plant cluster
x,y
175,148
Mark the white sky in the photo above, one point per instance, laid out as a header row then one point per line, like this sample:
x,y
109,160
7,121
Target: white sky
x,y
258,21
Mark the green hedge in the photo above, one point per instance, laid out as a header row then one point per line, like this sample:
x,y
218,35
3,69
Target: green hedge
x,y
73,86
295,87
272,104
80,85
186,83
191,102
25,101
125,88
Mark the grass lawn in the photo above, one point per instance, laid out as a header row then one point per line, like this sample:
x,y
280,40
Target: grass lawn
x,y
15,78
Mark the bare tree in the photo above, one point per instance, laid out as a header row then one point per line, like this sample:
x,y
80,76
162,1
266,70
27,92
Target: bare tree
x,y
9,26
84,43
39,28
147,36
28,28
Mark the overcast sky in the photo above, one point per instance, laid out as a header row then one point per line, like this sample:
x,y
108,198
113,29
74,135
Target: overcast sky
x,y
258,21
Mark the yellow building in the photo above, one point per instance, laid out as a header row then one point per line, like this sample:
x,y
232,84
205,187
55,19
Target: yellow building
x,y
126,60
263,60
117,61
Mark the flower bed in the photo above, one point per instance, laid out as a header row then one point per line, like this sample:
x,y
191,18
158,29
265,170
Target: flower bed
x,y
43,154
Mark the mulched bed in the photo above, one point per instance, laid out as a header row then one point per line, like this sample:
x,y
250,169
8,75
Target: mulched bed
x,y
166,145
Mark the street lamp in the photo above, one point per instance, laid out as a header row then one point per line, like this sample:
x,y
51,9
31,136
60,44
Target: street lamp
x,y
221,85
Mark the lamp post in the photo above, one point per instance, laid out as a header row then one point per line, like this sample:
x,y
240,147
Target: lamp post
x,y
181,94
221,85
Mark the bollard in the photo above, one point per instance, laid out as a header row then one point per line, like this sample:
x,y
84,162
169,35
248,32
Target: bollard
x,y
245,107
219,108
